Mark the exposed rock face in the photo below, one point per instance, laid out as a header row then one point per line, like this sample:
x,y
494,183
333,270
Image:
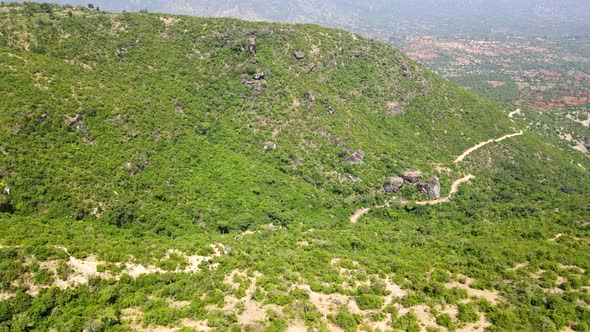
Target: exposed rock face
x,y
256,85
309,96
299,55
357,53
72,120
411,176
137,166
394,108
270,145
430,187
251,45
356,158
259,75
329,107
393,184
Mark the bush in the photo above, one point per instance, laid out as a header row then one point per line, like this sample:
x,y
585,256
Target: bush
x,y
467,313
43,277
369,302
408,322
445,320
346,320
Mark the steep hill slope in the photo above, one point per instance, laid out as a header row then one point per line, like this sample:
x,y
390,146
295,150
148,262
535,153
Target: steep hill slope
x,y
169,170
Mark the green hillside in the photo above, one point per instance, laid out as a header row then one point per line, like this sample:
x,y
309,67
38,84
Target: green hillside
x,y
172,171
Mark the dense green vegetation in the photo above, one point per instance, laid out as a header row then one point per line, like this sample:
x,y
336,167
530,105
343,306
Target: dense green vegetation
x,y
151,140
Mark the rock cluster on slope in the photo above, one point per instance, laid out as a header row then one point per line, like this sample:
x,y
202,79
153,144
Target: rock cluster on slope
x,y
430,187
411,176
299,55
356,158
393,184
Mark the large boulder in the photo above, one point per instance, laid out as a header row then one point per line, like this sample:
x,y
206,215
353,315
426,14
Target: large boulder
x,y
411,176
270,145
356,158
259,75
393,184
309,96
299,55
251,45
430,187
329,107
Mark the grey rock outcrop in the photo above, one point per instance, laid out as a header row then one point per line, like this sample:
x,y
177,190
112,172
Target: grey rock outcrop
x,y
251,45
299,55
430,187
329,107
259,75
357,53
270,145
393,184
356,158
411,176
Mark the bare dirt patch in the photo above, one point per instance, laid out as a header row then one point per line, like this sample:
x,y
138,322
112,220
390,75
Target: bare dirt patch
x,y
359,213
578,145
513,113
518,266
169,21
133,317
423,314
297,326
253,312
329,303
480,326
199,325
241,235
178,304
583,122
84,269
491,296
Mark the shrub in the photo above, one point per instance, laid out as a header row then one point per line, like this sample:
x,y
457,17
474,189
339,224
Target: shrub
x,y
346,320
467,313
369,302
445,320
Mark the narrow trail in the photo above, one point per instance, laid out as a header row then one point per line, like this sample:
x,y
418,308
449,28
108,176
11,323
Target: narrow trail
x,y
474,148
517,112
454,188
359,213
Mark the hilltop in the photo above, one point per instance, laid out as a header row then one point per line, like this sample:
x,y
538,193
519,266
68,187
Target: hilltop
x,y
168,171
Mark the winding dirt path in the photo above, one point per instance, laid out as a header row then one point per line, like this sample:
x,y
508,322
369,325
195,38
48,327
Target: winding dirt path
x,y
517,112
359,213
492,140
454,188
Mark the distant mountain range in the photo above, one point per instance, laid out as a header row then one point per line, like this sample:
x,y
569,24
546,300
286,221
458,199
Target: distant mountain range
x,y
561,16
